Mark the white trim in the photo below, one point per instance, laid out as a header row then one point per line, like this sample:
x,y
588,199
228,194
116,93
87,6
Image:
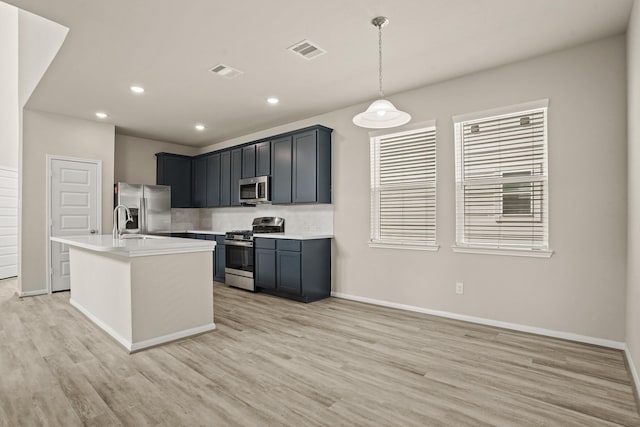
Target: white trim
x,y
49,159
502,111
618,345
136,346
632,368
33,293
533,253
406,246
172,337
12,178
403,129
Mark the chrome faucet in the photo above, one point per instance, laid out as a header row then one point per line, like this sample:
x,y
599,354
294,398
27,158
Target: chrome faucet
x,y
117,233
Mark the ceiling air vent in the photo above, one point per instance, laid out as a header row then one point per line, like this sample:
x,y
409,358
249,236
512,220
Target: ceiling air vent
x,y
307,49
226,72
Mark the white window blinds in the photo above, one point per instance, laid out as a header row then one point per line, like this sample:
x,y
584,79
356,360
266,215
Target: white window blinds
x,y
403,189
501,181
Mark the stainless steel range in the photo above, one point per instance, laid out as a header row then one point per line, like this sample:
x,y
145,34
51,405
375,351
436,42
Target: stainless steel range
x,y
239,251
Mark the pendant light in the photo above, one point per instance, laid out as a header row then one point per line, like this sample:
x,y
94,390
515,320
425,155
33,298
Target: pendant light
x,y
381,113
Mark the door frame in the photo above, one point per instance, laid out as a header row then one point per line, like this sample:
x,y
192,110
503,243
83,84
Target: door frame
x,y
50,159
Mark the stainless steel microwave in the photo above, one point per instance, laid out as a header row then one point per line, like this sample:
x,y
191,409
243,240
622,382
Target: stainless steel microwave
x,y
255,190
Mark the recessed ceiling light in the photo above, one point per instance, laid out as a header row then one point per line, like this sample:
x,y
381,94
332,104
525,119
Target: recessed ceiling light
x,y
273,100
137,89
200,127
101,115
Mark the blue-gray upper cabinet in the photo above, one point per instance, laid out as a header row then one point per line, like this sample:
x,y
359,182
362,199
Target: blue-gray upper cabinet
x,y
311,180
256,159
225,178
230,173
263,158
236,174
302,167
249,161
213,180
281,170
199,182
175,170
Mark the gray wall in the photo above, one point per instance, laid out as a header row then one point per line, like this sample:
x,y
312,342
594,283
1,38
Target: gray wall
x,y
135,160
582,288
43,134
633,217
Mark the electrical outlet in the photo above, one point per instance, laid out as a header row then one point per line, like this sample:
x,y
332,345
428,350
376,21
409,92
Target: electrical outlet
x,y
459,288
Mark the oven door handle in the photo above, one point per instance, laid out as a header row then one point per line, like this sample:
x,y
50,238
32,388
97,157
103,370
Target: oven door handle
x,y
238,243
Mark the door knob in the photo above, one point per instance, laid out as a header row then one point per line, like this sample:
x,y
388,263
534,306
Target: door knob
x,y
93,231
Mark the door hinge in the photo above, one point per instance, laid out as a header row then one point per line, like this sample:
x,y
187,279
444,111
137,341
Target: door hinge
x,y
51,271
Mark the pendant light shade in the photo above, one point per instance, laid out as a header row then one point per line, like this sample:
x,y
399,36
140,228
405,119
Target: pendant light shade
x,y
381,113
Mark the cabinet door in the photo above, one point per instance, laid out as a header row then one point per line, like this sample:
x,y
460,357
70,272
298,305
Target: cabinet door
x,y
249,161
175,171
199,183
213,272
213,180
225,178
263,158
289,271
265,268
236,173
219,265
305,167
281,172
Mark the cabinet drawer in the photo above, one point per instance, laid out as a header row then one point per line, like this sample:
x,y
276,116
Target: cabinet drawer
x,y
264,243
289,245
219,239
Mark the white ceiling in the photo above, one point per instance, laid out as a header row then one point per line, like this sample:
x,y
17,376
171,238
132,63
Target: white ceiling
x,y
168,47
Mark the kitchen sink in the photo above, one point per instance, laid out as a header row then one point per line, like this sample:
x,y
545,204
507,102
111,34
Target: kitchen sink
x,y
141,237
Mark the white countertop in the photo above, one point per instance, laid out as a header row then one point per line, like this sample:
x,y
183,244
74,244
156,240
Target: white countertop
x,y
294,236
137,247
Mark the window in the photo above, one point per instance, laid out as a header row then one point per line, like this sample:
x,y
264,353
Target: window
x,y
403,189
501,181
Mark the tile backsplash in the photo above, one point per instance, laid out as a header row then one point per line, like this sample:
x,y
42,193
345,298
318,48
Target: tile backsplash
x,y
298,219
185,219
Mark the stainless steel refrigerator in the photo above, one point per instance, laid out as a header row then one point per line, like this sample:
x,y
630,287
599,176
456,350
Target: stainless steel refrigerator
x,y
150,207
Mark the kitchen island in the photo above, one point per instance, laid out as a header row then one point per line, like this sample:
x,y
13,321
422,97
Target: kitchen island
x,y
143,291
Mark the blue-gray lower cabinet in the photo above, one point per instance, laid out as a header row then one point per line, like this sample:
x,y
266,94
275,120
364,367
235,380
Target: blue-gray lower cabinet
x,y
295,269
265,268
219,259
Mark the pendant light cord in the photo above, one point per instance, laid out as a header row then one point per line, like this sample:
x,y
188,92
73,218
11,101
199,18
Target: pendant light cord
x,y
380,60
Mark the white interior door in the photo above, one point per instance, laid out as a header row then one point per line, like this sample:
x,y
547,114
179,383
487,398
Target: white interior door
x,y
8,223
74,211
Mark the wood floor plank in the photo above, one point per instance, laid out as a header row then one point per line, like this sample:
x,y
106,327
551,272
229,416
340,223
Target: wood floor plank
x,y
273,361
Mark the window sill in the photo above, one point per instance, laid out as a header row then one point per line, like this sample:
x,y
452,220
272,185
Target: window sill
x,y
533,253
405,246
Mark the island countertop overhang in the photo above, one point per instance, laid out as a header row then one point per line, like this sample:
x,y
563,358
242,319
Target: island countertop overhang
x,y
130,248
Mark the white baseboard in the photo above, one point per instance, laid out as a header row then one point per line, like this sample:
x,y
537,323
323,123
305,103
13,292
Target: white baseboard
x,y
137,346
172,337
33,293
122,340
632,368
618,345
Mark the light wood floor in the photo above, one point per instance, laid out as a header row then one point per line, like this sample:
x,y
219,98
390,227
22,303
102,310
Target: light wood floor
x,y
277,362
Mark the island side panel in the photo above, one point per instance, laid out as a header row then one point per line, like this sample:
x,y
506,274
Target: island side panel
x,y
172,297
100,289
